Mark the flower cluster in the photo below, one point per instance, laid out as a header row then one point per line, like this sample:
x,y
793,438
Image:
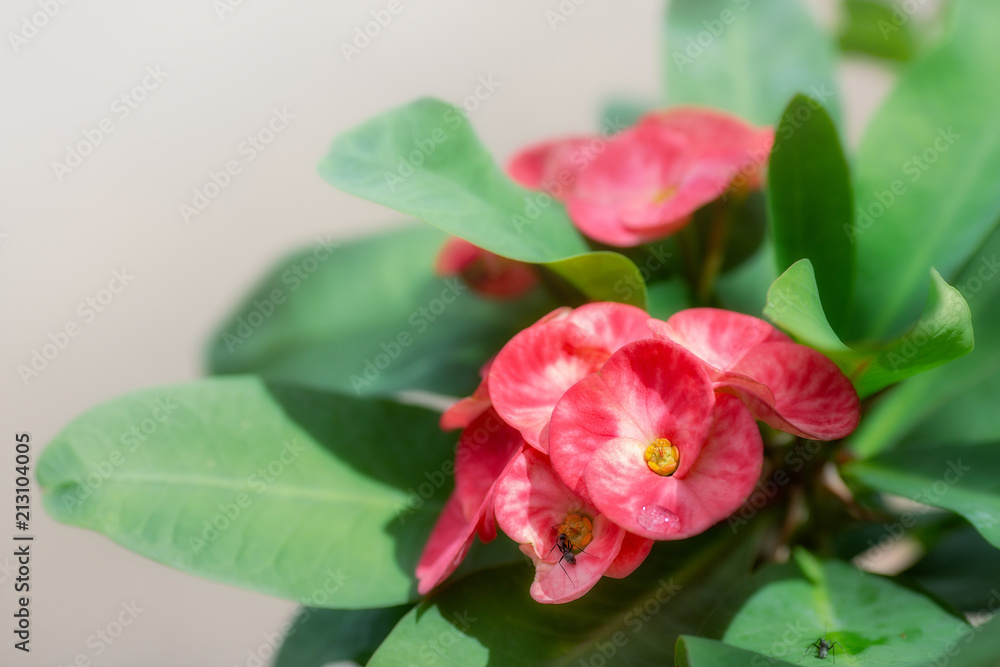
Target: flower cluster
x,y
598,430
649,179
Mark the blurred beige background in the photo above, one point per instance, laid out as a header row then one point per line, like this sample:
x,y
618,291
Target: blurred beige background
x,y
197,81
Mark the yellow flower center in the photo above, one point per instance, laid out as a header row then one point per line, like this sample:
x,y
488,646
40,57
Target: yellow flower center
x,y
578,530
662,457
663,194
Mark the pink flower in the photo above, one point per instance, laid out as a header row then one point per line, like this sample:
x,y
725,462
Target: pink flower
x,y
485,449
484,272
788,386
651,445
647,181
571,544
535,368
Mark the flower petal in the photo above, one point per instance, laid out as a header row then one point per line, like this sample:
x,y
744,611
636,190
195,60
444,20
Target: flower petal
x,y
633,551
447,545
649,389
485,449
558,580
530,503
680,506
536,368
718,337
812,398
542,165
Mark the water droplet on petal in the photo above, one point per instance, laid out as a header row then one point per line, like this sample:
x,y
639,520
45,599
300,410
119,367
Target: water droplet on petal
x,y
658,519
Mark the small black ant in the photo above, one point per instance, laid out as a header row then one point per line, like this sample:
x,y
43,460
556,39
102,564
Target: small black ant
x,y
565,550
823,648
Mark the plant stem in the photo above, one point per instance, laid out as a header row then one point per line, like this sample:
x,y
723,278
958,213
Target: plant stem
x,y
715,250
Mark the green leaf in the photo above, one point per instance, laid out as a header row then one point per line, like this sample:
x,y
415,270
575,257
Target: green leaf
x,y
318,637
793,303
959,567
955,403
370,317
942,334
603,276
489,618
926,170
873,28
811,203
962,478
283,490
746,57
423,159
701,652
874,621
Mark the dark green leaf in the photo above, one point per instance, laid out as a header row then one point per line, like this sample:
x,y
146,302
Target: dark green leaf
x,y
874,621
489,619
423,159
746,57
962,478
370,318
810,200
979,646
283,490
877,30
961,568
925,177
318,637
